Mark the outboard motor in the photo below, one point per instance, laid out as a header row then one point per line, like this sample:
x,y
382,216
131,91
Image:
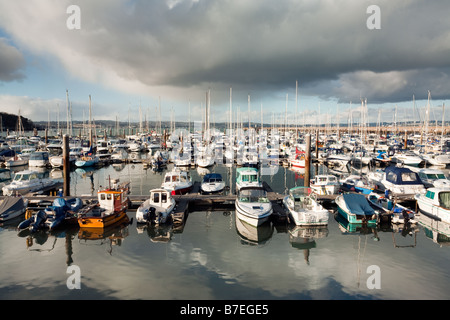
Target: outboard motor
x,y
151,215
405,216
39,221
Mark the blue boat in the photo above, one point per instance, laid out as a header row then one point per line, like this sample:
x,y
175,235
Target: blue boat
x,y
87,161
357,184
61,212
355,208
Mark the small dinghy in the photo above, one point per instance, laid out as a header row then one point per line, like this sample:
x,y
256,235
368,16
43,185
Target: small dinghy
x,y
61,211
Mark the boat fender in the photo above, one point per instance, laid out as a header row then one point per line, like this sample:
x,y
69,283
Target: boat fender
x,y
28,214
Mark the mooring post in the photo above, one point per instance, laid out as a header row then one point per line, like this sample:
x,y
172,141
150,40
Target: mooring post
x,y
307,160
66,165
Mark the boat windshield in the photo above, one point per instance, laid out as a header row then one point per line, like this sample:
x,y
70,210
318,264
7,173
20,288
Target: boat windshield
x,y
444,199
24,177
433,176
409,176
249,178
253,195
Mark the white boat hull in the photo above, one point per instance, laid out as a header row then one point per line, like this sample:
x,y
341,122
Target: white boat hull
x,y
253,213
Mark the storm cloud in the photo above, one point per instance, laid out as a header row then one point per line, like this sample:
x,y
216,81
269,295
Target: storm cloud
x,y
11,62
263,46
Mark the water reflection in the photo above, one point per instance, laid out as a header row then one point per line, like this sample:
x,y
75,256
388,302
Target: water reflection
x,y
437,231
112,235
251,235
157,233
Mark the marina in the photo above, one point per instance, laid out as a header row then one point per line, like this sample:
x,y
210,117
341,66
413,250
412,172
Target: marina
x,y
201,237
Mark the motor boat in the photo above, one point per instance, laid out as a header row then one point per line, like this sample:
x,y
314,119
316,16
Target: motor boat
x,y
253,206
355,208
433,178
88,160
303,208
247,177
324,184
177,182
157,208
357,183
408,158
39,159
400,181
212,183
395,212
27,181
435,203
110,208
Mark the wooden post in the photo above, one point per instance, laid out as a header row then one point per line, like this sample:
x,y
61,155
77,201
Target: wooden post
x,y
66,166
307,160
406,140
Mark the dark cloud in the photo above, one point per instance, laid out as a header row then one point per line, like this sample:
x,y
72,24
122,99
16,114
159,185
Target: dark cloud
x,y
264,44
11,62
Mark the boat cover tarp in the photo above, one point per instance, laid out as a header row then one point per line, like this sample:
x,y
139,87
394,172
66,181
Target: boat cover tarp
x,y
400,175
358,204
11,204
212,177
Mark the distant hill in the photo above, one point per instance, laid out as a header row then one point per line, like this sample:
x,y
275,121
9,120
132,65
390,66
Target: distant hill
x,y
10,122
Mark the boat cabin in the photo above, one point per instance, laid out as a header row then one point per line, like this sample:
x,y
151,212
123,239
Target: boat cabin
x,y
247,176
160,198
253,195
439,197
404,176
115,198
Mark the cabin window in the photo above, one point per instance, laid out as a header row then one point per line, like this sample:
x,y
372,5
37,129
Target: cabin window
x,y
391,177
156,197
430,194
409,176
168,179
108,196
102,196
444,200
163,197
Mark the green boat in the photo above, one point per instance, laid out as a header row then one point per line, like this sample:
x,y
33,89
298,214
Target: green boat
x,y
356,209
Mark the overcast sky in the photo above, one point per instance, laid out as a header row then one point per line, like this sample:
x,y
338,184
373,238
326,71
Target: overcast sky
x,y
131,53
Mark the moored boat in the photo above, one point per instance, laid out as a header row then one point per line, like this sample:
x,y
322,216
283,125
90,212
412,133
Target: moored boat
x,y
212,183
355,208
392,210
157,208
111,207
435,203
304,209
325,184
87,161
357,183
253,206
177,182
27,181
247,177
12,207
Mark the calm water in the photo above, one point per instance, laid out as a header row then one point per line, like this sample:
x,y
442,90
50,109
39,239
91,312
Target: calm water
x,y
214,257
